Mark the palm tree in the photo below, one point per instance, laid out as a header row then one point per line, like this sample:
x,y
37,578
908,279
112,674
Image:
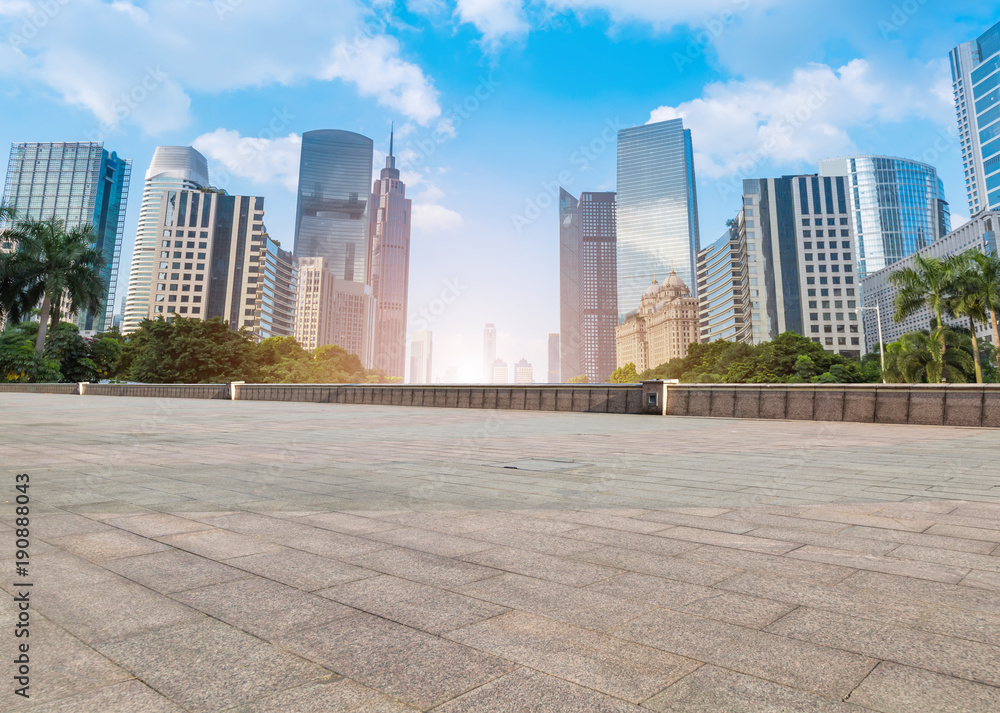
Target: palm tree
x,y
919,356
927,283
51,263
967,299
988,267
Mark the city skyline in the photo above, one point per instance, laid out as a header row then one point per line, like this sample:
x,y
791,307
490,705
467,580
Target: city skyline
x,y
893,73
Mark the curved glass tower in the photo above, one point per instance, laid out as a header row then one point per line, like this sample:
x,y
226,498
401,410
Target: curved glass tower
x,y
173,168
332,218
898,207
657,209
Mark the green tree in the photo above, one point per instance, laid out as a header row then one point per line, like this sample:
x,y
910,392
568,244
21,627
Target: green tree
x,y
48,264
967,298
918,357
192,351
19,362
928,283
581,379
988,267
625,375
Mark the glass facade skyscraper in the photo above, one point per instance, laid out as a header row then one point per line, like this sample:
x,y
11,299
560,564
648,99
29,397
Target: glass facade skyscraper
x,y
724,287
975,74
79,184
332,218
657,208
173,168
898,207
588,285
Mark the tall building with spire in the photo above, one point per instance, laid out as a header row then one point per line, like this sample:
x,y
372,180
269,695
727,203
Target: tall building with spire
x,y
389,266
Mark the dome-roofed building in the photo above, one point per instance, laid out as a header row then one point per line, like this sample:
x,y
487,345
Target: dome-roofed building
x,y
661,329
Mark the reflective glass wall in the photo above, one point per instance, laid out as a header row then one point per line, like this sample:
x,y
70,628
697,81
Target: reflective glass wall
x,y
657,209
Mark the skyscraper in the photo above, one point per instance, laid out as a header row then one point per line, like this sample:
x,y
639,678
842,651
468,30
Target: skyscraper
x,y
802,260
657,208
389,267
174,168
898,207
489,352
975,78
215,259
724,287
421,352
79,184
555,374
523,373
588,285
332,218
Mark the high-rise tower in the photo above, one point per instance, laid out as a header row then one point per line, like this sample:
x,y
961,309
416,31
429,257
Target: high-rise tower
x,y
175,168
489,352
588,285
975,74
657,208
79,184
389,267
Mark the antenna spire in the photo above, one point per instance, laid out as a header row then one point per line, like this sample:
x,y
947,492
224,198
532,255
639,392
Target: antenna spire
x,y
392,135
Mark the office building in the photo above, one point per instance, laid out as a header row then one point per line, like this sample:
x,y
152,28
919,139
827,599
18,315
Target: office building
x,y
389,267
80,184
315,304
663,327
489,352
724,287
523,373
588,289
554,357
975,74
980,234
657,208
173,168
500,375
898,207
332,217
215,259
802,260
353,319
421,351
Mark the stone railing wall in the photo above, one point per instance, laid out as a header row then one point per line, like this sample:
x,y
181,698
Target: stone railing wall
x,y
918,404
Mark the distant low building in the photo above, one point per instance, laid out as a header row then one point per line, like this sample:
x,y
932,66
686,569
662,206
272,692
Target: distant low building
x,y
661,329
980,234
500,372
421,353
523,373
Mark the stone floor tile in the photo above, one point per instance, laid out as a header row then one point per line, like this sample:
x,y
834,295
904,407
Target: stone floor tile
x,y
299,569
818,669
773,564
174,571
631,541
922,590
126,697
157,524
983,580
533,564
102,546
715,689
416,605
582,607
263,607
677,568
528,691
219,544
208,665
423,567
420,669
894,564
892,688
971,660
919,538
330,695
436,543
598,661
557,545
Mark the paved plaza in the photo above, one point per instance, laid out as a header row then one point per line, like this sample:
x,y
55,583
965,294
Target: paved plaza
x,y
260,557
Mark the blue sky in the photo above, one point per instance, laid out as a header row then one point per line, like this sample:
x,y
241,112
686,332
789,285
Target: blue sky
x,y
495,102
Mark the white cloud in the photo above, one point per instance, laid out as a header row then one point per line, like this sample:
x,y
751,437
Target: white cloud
x,y
206,46
261,160
374,66
434,218
495,19
738,124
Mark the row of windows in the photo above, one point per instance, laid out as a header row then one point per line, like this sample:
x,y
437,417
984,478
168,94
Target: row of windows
x,y
183,310
832,233
819,221
820,245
